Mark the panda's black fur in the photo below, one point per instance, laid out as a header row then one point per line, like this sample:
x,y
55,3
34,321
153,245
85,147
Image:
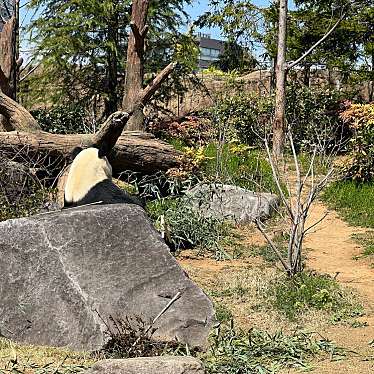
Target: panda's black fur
x,y
90,181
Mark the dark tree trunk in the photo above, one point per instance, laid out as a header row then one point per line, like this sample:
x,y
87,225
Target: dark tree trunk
x,y
135,62
306,74
111,104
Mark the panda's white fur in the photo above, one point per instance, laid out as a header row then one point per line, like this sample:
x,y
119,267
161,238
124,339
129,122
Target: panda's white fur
x,y
90,181
86,171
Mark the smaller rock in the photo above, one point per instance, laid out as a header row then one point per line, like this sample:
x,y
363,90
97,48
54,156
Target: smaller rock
x,y
231,202
149,365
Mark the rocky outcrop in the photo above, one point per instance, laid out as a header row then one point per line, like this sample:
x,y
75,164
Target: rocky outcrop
x,y
231,202
149,365
63,274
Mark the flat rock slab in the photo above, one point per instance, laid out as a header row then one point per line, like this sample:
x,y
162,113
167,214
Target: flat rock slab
x,y
149,365
63,274
231,202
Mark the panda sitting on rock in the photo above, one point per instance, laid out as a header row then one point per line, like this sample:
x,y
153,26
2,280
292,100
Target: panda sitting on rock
x,y
90,181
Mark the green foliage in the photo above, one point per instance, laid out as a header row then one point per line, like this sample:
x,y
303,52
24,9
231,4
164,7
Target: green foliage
x,y
82,49
240,165
234,351
354,201
367,241
62,119
185,228
235,57
360,163
248,115
26,204
312,113
223,314
304,291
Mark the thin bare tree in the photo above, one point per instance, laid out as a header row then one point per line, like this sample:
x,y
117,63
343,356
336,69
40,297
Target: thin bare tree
x,y
297,201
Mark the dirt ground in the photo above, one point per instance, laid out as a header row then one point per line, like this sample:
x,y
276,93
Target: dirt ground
x,y
331,250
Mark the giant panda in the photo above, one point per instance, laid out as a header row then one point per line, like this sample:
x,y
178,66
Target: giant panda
x,y
90,181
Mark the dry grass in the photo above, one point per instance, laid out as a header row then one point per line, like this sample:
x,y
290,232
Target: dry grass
x,y
30,359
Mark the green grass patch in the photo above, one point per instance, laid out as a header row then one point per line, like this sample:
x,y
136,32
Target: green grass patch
x,y
292,296
239,165
16,358
234,351
367,241
267,253
223,314
354,201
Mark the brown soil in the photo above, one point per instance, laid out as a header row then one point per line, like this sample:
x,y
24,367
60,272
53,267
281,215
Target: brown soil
x,y
331,250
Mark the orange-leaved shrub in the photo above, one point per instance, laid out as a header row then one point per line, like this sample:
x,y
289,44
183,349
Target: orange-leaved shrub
x,y
359,164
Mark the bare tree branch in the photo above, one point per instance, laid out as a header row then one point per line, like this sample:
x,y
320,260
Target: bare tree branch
x,y
273,246
314,46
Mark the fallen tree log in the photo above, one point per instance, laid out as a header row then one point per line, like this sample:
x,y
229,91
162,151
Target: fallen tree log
x,y
135,151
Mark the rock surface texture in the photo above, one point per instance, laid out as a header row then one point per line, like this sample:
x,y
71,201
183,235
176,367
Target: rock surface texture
x,y
149,365
63,274
231,202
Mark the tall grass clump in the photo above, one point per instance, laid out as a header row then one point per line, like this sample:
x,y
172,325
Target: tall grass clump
x,y
306,291
240,165
234,351
353,200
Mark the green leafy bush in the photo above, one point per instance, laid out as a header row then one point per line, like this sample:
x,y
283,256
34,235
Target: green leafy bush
x,y
312,113
21,192
359,165
243,117
307,290
234,351
62,119
185,228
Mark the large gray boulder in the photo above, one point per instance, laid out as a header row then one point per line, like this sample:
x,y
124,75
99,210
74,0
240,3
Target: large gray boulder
x,y
231,202
149,365
63,274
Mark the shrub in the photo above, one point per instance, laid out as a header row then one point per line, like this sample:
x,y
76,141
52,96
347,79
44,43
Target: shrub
x,y
360,164
243,116
190,131
62,119
21,192
185,228
234,351
307,290
312,113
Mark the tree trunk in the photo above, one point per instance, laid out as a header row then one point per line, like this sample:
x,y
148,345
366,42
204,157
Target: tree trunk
x,y
17,117
135,151
135,62
111,104
306,74
371,80
280,94
8,54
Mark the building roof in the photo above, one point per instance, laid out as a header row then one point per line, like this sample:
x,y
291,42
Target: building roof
x,y
210,43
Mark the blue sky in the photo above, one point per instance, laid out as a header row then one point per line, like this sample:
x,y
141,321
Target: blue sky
x,y
200,6
195,10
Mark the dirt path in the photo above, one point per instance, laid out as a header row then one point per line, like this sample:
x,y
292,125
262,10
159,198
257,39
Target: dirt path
x,y
332,251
